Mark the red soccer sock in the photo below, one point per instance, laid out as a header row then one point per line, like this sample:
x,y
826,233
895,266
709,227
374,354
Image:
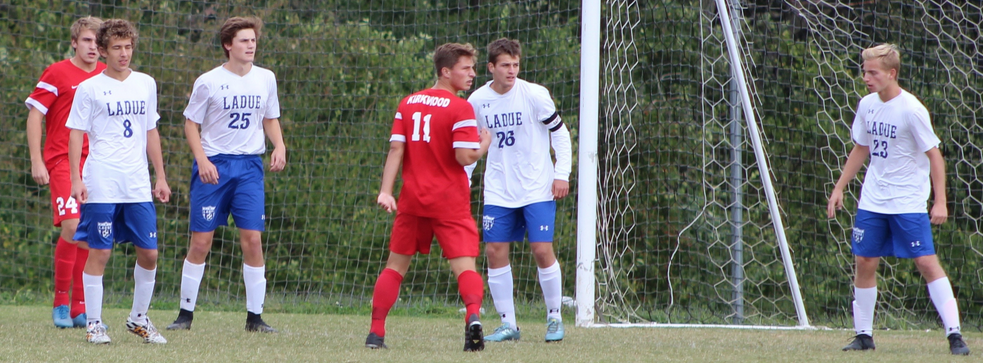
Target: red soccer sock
x,y
472,290
78,288
64,263
383,299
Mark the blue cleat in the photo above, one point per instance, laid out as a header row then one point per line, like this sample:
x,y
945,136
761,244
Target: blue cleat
x,y
504,333
79,321
554,330
60,316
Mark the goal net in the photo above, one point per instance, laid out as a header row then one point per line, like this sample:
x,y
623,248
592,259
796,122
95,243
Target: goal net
x,y
685,235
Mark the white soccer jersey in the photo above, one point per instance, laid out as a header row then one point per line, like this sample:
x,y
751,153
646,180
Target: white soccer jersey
x,y
116,116
519,170
898,132
231,109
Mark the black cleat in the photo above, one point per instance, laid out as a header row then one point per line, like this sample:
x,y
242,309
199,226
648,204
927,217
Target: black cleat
x,y
956,344
183,321
375,342
255,323
474,339
860,342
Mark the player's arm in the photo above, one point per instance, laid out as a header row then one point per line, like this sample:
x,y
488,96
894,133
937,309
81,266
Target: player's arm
x,y
393,162
161,190
206,170
79,191
278,159
467,156
853,163
560,140
35,121
940,211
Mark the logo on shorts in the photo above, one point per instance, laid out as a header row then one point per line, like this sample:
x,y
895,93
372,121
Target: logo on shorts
x,y
858,234
105,228
208,212
487,222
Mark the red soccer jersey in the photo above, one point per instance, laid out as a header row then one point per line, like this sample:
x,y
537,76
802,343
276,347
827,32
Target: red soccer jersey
x,y
53,97
433,123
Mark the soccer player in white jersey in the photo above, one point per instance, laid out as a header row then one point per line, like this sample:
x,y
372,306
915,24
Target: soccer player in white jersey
x,y
117,109
521,183
234,104
893,128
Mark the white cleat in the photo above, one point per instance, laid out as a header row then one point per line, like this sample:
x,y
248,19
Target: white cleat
x,y
95,333
147,331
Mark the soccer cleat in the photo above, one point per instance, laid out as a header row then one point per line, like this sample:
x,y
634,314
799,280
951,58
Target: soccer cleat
x,y
147,331
183,321
956,344
60,316
554,330
375,342
504,333
79,321
860,342
473,338
96,334
254,323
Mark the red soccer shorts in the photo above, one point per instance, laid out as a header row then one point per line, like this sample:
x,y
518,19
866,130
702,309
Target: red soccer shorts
x,y
456,237
60,181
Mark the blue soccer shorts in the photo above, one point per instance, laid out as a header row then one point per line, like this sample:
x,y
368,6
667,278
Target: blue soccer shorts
x,y
500,224
101,224
240,191
906,235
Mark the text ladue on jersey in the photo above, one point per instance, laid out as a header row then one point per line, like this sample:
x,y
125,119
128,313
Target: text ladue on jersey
x,y
127,108
878,128
242,102
504,120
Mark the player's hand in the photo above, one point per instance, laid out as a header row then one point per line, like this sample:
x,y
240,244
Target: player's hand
x,y
485,138
835,203
560,188
278,159
939,213
162,191
387,202
40,173
79,192
207,172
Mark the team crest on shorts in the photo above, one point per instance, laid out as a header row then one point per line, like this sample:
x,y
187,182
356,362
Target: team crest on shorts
x,y
858,234
105,228
487,222
208,212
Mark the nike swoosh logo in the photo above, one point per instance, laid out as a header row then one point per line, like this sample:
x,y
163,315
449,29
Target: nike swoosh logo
x,y
74,87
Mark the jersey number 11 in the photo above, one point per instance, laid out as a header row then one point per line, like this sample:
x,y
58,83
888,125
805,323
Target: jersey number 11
x,y
416,127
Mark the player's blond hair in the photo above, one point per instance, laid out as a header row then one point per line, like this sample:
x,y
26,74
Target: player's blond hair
x,y
447,55
888,53
503,46
87,23
115,29
234,25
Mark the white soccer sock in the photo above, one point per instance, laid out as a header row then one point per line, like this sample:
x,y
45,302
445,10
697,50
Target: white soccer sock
x,y
143,290
190,281
863,309
940,291
550,280
93,297
255,279
501,287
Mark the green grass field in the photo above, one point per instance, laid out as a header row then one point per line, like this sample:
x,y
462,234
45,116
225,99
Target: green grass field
x,y
27,335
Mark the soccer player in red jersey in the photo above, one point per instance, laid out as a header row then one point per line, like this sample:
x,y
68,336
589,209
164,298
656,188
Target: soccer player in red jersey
x,y
50,102
434,136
